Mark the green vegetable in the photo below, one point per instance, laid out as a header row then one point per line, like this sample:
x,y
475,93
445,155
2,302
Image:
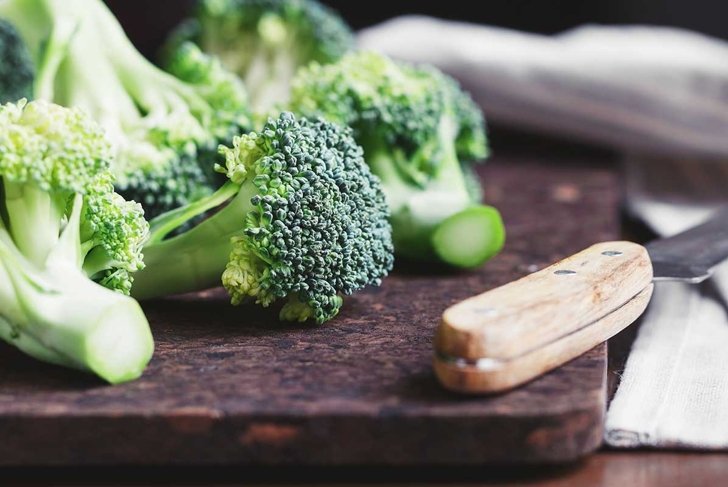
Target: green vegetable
x,y
420,132
302,220
68,245
266,41
160,125
16,68
225,93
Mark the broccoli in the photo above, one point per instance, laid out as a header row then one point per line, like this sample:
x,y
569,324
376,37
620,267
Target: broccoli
x,y
266,41
68,245
301,219
226,94
161,125
419,132
16,68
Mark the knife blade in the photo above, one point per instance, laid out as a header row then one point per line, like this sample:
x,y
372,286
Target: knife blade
x,y
691,256
509,335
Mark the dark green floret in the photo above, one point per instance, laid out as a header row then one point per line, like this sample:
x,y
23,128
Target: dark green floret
x,y
266,41
16,68
420,133
69,245
302,220
162,126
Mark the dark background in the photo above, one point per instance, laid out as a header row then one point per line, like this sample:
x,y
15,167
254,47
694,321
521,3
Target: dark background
x,y
147,21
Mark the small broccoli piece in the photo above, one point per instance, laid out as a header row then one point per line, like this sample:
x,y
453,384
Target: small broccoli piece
x,y
160,125
16,68
419,131
266,41
302,220
69,245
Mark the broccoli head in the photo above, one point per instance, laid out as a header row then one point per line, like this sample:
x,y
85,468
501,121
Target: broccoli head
x,y
16,69
420,131
302,220
266,41
160,124
69,245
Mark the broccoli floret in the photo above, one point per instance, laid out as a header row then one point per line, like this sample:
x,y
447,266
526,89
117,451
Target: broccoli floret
x,y
266,41
419,130
159,124
68,245
303,220
225,93
16,68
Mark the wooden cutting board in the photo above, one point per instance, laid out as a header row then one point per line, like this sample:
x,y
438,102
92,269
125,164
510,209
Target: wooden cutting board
x,y
232,386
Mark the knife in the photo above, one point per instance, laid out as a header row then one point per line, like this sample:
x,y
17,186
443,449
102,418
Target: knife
x,y
512,334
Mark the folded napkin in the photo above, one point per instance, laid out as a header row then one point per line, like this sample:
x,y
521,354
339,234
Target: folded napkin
x,y
674,389
660,90
647,90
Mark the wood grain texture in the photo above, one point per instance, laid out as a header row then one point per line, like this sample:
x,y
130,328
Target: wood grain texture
x,y
538,309
231,386
499,376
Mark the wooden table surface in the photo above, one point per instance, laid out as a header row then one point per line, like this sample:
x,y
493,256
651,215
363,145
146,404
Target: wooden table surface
x,y
233,386
605,469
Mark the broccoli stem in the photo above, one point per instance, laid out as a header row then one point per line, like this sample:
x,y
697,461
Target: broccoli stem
x,y
470,237
10,332
266,62
440,220
96,262
57,314
164,224
23,341
197,258
24,204
56,50
269,75
96,88
110,79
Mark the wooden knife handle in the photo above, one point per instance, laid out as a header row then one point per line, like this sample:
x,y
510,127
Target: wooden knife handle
x,y
509,335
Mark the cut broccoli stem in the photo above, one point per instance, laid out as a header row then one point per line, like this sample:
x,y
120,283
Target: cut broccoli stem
x,y
65,318
470,237
200,254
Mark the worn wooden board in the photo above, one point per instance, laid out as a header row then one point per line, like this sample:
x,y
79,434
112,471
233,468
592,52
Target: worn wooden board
x,y
231,386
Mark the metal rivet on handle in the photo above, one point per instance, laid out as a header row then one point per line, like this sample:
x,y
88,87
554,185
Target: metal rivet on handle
x,y
611,253
564,272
